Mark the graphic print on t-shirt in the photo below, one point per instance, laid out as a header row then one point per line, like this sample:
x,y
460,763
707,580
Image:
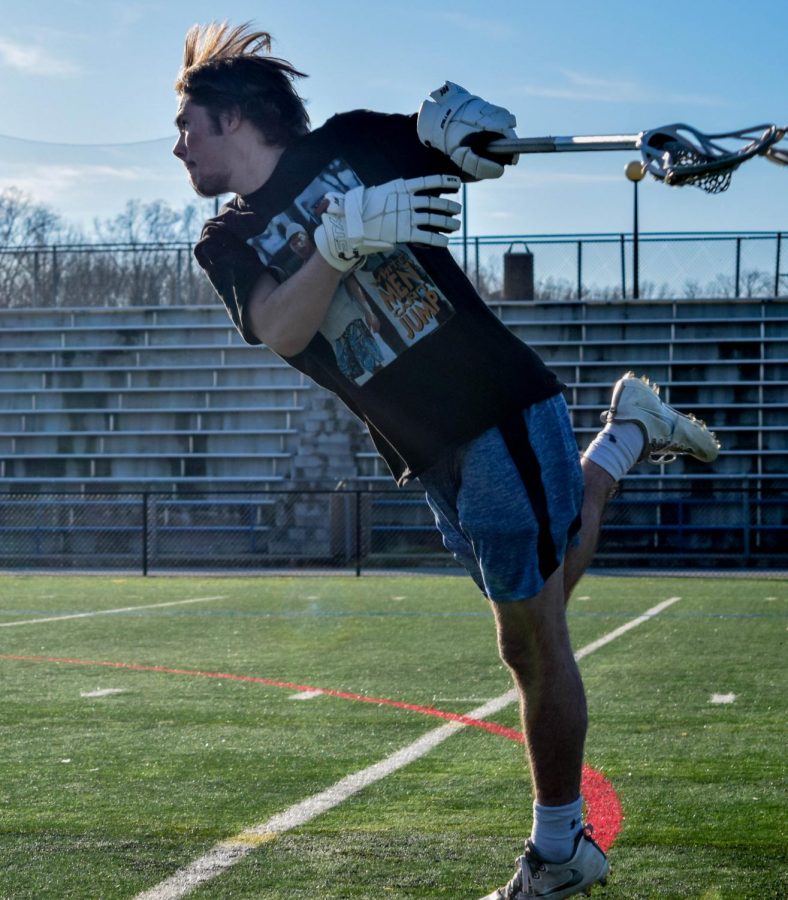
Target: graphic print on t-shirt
x,y
378,311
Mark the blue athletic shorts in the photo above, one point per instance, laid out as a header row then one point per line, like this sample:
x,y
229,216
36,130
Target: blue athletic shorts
x,y
508,502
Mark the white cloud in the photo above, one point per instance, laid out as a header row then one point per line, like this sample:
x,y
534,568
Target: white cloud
x,y
33,60
476,25
51,183
82,193
578,86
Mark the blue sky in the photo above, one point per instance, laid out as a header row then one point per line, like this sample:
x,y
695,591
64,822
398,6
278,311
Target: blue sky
x,y
80,72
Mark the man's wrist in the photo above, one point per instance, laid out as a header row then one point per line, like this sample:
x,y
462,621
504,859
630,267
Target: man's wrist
x,y
332,246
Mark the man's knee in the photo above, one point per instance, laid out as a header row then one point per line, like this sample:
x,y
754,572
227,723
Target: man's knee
x,y
532,633
515,649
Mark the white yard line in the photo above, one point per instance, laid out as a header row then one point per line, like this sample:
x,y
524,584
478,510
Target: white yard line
x,y
227,853
617,632
101,692
107,612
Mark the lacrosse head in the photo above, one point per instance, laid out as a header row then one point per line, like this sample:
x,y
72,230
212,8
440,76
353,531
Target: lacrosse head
x,y
679,154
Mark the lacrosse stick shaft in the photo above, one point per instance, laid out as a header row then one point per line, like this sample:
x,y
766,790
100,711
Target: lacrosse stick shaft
x,y
777,154
569,144
583,143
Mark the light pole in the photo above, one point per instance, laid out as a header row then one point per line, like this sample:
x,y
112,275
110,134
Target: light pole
x,y
635,172
465,228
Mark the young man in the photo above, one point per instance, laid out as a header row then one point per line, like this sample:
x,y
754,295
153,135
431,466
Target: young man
x,y
457,401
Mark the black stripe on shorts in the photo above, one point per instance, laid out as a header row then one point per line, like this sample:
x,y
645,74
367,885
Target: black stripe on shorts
x,y
515,434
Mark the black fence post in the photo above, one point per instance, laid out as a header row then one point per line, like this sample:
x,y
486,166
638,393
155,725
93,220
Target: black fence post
x,y
465,229
358,533
777,265
747,522
579,270
179,277
145,533
55,276
738,267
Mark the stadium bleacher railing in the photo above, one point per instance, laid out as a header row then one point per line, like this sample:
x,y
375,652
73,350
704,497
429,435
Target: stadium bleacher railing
x,y
672,265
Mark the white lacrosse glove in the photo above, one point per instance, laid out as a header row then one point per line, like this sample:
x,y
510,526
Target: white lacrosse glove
x,y
373,219
461,124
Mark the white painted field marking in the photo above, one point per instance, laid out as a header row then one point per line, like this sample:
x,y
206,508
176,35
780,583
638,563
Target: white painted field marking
x,y
617,632
722,698
101,692
306,695
107,612
457,699
227,853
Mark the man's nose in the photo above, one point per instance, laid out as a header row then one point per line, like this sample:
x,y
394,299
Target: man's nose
x,y
179,149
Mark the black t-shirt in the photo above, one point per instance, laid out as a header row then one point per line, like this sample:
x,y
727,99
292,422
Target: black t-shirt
x,y
407,344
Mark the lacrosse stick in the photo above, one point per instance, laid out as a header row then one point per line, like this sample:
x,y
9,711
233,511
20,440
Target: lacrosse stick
x,y
675,154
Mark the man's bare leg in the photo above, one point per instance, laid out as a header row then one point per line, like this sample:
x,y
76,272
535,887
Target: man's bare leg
x,y
533,640
599,487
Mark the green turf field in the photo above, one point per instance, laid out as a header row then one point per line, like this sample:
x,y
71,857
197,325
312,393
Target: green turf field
x,y
114,778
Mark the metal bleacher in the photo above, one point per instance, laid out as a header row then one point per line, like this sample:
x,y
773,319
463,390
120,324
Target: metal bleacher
x,y
118,428
170,401
115,399
726,362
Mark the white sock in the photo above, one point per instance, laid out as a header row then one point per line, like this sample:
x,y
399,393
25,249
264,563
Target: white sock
x,y
555,829
616,448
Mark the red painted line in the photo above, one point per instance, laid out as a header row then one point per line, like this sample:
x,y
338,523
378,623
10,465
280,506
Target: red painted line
x,y
270,682
602,801
603,806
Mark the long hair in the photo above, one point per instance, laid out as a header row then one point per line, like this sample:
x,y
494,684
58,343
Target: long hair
x,y
227,69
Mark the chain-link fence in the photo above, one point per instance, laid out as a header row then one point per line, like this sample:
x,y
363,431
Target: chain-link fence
x,y
356,530
601,266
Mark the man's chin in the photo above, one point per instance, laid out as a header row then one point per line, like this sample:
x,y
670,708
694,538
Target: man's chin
x,y
208,188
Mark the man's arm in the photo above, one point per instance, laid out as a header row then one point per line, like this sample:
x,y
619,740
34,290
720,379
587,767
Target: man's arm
x,y
365,220
287,316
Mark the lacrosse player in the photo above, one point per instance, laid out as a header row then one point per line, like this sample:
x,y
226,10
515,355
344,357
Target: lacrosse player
x,y
460,403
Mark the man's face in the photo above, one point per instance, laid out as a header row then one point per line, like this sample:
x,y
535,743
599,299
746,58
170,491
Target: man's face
x,y
201,148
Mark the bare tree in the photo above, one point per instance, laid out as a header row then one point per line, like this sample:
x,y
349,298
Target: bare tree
x,y
154,222
25,223
26,227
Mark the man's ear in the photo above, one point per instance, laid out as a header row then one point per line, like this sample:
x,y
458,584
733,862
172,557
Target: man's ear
x,y
230,120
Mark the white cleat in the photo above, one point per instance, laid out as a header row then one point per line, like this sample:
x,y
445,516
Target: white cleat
x,y
536,878
667,433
